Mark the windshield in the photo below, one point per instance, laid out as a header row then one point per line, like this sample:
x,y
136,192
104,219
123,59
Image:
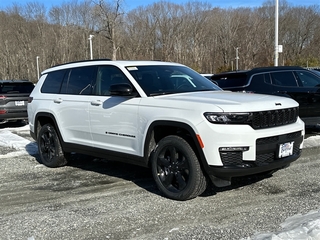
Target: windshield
x,y
158,80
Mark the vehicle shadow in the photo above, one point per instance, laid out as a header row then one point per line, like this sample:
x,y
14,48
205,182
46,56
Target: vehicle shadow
x,y
236,182
138,175
14,124
142,176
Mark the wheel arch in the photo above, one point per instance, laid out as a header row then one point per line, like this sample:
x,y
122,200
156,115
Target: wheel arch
x,y
160,129
43,118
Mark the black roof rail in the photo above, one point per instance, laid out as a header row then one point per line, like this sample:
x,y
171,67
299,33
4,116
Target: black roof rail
x,y
276,68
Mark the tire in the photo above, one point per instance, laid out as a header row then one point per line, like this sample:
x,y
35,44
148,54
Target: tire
x,y
49,146
176,169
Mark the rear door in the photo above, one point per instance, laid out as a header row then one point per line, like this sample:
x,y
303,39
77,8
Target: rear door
x,y
72,105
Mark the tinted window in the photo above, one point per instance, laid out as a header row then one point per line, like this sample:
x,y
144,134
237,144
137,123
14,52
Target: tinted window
x,y
308,79
257,80
107,76
53,82
16,87
260,83
79,81
230,80
284,79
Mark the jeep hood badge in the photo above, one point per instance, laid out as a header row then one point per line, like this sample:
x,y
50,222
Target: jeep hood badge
x,y
278,104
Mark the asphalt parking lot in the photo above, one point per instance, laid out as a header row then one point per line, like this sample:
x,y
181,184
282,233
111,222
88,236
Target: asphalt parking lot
x,y
100,199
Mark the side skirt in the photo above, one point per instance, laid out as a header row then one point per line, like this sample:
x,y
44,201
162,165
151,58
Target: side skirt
x,y
106,154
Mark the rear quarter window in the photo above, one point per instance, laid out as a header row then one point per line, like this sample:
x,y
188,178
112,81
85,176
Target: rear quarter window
x,y
53,81
230,81
260,83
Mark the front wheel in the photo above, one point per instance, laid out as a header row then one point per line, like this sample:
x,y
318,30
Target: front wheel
x,y
176,169
49,146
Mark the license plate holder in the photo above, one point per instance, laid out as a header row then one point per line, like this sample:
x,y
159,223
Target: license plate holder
x,y
285,149
19,103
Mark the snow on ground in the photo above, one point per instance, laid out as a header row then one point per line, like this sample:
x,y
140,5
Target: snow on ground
x,y
313,141
297,227
22,145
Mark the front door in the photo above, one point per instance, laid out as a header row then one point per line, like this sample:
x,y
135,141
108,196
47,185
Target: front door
x,y
113,119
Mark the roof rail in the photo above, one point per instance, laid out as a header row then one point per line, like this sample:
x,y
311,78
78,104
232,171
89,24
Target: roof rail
x,y
80,61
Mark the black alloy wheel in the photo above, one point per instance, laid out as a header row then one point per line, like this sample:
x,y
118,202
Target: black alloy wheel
x,y
49,146
176,169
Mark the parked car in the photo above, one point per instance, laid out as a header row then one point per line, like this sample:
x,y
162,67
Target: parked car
x,y
164,116
297,83
13,99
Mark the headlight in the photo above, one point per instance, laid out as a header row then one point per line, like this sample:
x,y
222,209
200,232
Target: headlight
x,y
228,118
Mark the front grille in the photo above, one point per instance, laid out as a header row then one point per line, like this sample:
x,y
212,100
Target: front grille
x,y
235,158
272,118
266,158
275,139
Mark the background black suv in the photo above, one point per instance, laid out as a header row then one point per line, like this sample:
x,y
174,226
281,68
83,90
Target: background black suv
x,y
298,83
13,99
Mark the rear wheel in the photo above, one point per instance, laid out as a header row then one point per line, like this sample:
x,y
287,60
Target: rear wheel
x,y
176,169
49,146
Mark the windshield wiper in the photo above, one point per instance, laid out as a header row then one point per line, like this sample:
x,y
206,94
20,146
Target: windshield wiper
x,y
161,93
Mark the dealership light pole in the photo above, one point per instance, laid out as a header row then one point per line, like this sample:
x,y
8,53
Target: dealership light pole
x,y
237,58
90,40
38,72
276,26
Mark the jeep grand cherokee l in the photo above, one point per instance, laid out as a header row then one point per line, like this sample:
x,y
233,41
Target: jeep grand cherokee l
x,y
297,83
164,116
13,99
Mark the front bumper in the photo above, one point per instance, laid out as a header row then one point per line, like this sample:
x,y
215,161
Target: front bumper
x,y
267,149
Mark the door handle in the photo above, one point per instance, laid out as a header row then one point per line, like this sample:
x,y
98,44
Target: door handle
x,y
58,100
96,103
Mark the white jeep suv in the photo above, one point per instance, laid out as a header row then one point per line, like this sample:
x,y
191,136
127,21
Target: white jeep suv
x,y
164,116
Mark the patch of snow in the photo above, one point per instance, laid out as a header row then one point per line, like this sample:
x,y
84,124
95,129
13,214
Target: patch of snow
x,y
21,144
297,227
313,141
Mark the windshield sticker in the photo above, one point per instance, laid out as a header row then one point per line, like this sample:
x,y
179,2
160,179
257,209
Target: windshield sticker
x,y
132,68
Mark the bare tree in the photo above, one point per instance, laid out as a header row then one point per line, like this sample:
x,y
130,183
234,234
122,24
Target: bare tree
x,y
193,33
109,17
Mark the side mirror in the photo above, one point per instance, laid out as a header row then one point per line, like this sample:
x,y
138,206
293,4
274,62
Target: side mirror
x,y
122,89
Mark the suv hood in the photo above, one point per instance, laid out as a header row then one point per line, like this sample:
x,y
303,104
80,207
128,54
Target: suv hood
x,y
228,101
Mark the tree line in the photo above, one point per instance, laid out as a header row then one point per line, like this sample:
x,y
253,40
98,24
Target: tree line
x,y
197,34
